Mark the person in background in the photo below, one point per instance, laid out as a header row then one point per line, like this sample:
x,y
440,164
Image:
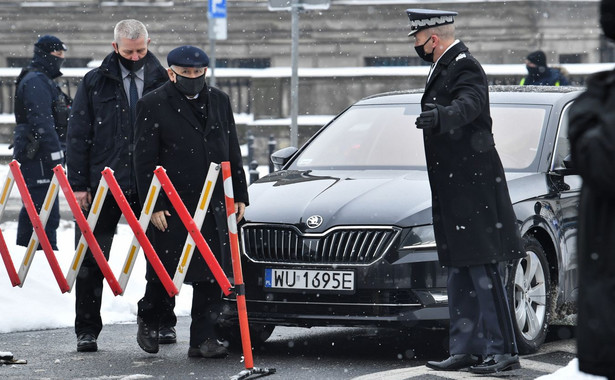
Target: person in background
x,y
539,74
184,126
41,116
474,223
592,145
101,134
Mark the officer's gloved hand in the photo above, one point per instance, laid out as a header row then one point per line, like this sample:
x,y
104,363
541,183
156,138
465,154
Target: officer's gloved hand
x,y
428,119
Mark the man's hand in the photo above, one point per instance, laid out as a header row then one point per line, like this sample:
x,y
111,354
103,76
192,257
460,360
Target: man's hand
x,y
159,219
428,119
84,199
240,208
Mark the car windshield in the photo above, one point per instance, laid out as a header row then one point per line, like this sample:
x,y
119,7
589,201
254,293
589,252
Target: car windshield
x,y
385,137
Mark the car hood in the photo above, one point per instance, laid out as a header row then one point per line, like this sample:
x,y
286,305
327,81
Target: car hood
x,y
388,197
401,198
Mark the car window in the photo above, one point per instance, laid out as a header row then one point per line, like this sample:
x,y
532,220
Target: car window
x,y
518,131
385,137
562,144
382,136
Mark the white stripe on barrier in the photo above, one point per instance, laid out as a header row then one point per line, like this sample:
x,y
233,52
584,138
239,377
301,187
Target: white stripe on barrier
x,y
82,246
50,198
135,246
199,218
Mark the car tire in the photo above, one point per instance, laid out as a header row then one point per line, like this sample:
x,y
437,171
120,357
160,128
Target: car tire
x,y
529,287
230,334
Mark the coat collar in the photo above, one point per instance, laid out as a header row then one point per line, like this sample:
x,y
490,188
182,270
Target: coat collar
x,y
179,102
445,60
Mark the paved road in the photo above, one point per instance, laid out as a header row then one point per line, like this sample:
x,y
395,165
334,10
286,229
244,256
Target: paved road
x,y
320,353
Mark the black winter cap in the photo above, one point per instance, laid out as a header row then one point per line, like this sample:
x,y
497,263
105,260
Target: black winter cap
x,y
48,43
538,58
607,18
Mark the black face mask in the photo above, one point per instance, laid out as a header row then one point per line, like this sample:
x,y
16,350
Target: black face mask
x,y
535,71
130,64
420,50
189,86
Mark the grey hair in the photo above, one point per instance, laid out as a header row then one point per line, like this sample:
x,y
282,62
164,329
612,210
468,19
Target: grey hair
x,y
445,32
131,29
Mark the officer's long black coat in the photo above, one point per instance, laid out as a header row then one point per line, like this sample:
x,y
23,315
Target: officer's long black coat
x,y
592,143
168,134
473,217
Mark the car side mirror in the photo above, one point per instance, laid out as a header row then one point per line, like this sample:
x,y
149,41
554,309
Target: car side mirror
x,y
281,157
568,168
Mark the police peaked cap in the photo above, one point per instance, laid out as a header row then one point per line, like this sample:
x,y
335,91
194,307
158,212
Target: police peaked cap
x,y
428,18
48,44
187,56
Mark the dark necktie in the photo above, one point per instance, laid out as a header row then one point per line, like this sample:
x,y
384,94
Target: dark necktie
x,y
134,96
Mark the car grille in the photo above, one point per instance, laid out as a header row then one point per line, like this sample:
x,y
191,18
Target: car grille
x,y
340,245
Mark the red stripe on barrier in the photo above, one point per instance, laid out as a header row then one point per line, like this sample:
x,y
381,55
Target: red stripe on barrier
x,y
38,226
133,222
8,263
242,311
86,231
194,232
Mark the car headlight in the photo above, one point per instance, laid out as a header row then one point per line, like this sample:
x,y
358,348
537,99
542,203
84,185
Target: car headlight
x,y
420,237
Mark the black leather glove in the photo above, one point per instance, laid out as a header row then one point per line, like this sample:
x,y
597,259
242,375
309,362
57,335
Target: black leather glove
x,y
428,119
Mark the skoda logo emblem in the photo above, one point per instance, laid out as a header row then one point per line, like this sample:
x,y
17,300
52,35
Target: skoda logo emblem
x,y
314,221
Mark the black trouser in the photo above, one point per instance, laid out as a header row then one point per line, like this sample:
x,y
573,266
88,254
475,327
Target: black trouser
x,y
89,284
205,308
480,319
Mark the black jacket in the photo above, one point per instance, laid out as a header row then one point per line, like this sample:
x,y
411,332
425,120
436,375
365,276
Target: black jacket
x,y
41,110
592,143
99,130
473,216
170,135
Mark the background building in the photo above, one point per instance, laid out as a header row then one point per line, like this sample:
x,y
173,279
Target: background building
x,y
351,33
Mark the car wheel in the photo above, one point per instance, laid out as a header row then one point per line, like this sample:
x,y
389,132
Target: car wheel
x,y
231,334
529,295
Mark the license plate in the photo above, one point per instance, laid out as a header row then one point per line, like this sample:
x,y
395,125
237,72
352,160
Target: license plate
x,y
308,279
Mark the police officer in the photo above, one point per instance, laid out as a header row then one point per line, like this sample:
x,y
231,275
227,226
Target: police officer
x,y
41,114
474,222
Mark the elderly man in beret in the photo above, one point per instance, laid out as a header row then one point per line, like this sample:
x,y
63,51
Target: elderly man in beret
x,y
184,126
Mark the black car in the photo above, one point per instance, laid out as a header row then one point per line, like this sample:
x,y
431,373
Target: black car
x,y
342,234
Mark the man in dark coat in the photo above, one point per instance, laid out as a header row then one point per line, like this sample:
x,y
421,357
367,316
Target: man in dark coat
x,y
101,134
184,126
474,223
592,143
41,115
539,74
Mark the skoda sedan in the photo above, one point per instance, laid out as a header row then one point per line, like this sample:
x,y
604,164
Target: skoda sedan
x,y
341,234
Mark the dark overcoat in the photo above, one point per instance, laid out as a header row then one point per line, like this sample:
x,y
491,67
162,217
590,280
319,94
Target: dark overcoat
x,y
100,133
170,135
473,216
592,142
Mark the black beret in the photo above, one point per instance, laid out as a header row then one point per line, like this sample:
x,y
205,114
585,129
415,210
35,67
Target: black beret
x,y
428,18
607,18
48,43
187,56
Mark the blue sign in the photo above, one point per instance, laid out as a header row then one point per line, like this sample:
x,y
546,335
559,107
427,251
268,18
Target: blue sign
x,y
217,8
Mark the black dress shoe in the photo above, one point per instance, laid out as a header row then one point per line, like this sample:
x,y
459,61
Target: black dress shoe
x,y
208,349
147,336
167,335
454,362
86,343
497,363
